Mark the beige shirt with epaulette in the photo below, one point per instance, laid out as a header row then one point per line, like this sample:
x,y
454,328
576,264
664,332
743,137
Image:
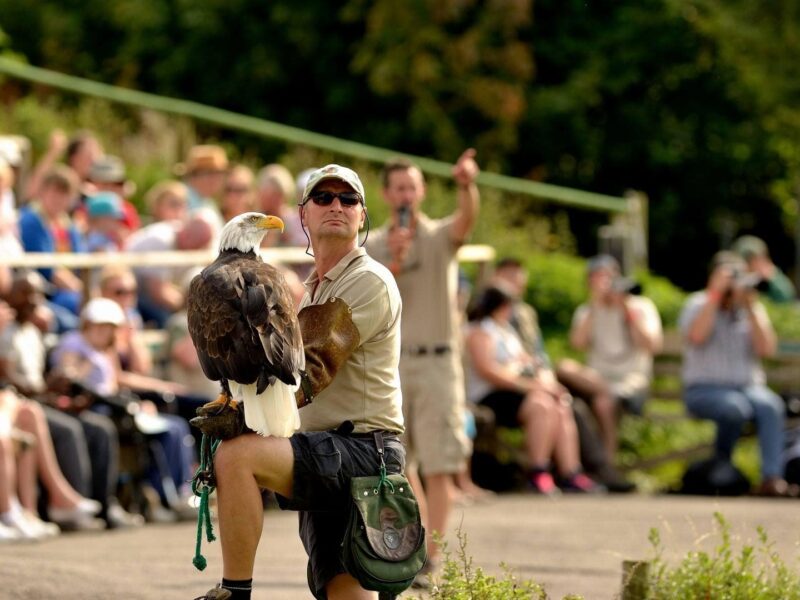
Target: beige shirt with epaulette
x,y
366,390
428,282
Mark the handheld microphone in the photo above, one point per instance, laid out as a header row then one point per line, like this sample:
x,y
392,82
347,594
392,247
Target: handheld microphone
x,y
404,216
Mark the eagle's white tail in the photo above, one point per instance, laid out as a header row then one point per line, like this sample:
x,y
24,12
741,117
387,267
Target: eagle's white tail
x,y
273,412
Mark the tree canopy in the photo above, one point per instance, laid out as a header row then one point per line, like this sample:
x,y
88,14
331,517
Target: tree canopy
x,y
693,102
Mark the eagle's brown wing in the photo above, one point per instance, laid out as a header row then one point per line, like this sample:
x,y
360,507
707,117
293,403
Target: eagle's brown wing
x,y
242,322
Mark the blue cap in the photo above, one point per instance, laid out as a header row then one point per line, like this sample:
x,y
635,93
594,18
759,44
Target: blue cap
x,y
105,204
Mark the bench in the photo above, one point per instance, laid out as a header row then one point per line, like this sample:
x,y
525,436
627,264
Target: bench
x,y
782,373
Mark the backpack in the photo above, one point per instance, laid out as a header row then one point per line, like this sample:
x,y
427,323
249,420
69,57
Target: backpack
x,y
714,477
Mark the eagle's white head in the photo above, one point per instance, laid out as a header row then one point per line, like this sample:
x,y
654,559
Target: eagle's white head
x,y
245,232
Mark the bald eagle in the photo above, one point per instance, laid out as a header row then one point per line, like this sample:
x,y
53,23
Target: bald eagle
x,y
243,324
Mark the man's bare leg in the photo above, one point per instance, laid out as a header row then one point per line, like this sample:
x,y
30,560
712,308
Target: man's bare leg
x,y
437,493
412,474
243,466
346,587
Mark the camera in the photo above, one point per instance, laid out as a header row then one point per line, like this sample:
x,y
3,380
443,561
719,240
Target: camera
x,y
626,285
749,281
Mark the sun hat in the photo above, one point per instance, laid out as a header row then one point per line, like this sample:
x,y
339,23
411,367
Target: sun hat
x,y
205,157
334,171
102,310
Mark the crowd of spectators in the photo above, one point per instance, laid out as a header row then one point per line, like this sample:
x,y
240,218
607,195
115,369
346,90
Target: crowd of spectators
x,y
89,413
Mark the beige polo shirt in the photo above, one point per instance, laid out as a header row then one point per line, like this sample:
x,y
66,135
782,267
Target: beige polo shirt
x,y
428,282
627,367
366,390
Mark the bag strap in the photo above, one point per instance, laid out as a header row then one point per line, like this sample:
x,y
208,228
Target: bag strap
x,y
384,480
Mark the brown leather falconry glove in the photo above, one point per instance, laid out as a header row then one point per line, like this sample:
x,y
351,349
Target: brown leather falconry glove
x,y
329,337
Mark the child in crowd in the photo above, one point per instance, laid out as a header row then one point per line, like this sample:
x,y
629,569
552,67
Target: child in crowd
x,y
105,227
90,357
45,226
84,442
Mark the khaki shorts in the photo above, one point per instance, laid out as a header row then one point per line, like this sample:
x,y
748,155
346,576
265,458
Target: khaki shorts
x,y
433,409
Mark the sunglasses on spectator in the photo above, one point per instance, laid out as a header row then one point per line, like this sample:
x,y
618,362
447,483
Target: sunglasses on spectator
x,y
124,292
236,189
326,198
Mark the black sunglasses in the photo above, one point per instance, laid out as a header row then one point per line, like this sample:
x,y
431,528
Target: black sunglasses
x,y
326,198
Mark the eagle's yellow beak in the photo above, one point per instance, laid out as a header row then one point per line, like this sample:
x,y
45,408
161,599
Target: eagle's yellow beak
x,y
270,222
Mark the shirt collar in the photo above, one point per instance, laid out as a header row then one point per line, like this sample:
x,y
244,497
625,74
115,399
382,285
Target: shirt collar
x,y
336,272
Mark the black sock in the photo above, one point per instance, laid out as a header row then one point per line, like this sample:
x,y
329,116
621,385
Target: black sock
x,y
239,588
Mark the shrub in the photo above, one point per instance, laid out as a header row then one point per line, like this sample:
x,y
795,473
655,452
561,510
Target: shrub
x,y
754,573
460,580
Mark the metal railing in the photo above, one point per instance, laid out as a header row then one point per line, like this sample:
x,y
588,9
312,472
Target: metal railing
x,y
476,253
286,133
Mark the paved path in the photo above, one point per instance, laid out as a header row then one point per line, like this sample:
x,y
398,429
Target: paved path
x,y
570,545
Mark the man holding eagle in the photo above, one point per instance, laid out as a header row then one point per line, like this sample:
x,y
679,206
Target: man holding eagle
x,y
344,373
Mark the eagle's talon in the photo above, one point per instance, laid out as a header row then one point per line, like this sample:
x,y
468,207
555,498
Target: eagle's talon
x,y
218,407
221,418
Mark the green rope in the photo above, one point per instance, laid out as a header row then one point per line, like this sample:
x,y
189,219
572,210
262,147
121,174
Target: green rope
x,y
203,485
384,480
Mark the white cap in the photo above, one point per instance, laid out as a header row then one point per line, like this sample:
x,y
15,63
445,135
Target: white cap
x,y
334,172
102,310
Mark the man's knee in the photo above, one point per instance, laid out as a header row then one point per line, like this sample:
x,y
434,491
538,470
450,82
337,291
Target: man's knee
x,y
231,453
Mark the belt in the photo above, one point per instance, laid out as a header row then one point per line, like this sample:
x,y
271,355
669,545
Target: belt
x,y
436,350
346,429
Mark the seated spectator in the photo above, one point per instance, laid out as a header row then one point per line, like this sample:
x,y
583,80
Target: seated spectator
x,y
237,195
45,226
108,174
275,196
727,331
35,461
89,357
770,279
105,228
17,476
204,175
511,276
168,201
160,294
523,391
84,444
118,283
620,332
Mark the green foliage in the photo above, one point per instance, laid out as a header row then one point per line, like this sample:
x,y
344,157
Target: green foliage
x,y
461,580
668,298
754,572
556,286
703,117
644,438
785,319
461,66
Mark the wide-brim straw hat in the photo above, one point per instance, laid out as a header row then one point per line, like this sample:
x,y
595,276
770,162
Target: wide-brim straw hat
x,y
206,157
